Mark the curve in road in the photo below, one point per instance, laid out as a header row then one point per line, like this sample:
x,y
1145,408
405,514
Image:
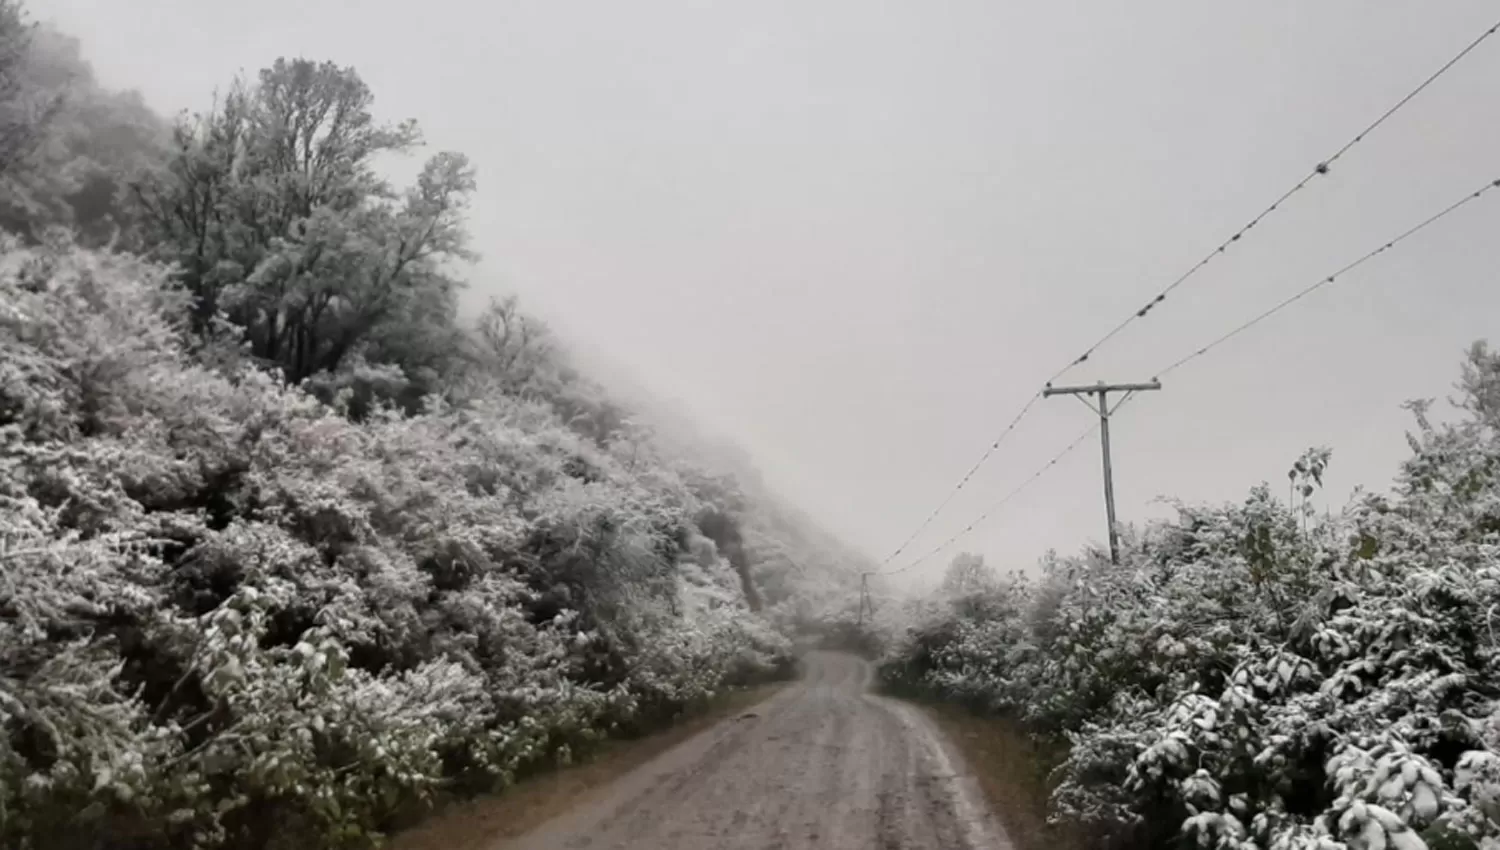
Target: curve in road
x,y
823,764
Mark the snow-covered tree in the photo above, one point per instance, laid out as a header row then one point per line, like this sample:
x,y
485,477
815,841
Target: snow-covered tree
x,y
273,208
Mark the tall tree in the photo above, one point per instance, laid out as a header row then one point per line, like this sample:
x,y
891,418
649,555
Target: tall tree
x,y
516,350
18,120
273,209
69,145
967,573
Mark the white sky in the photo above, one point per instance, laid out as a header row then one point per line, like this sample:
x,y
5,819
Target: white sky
x,y
855,236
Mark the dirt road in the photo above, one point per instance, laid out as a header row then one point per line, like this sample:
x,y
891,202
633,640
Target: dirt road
x,y
823,764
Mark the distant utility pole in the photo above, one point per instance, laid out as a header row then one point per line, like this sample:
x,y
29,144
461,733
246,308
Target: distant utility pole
x,y
1102,390
864,597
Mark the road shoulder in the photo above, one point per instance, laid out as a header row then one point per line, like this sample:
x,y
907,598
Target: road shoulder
x,y
1009,769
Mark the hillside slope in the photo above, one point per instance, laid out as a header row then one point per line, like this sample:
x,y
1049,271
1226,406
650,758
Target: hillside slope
x,y
289,548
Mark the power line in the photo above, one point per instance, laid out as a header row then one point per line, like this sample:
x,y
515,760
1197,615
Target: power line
x,y
1294,298
995,508
1220,340
1320,169
933,514
1325,281
1257,319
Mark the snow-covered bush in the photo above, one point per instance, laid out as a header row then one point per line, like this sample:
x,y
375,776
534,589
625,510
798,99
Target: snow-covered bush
x,y
232,616
1258,675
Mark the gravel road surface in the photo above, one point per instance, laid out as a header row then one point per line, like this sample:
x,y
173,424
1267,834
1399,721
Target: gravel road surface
x,y
823,764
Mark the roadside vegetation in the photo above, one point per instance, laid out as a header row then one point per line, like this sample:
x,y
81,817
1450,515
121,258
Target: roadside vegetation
x,y
1260,674
290,549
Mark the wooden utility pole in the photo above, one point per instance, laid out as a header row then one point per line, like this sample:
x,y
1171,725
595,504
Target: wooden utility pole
x,y
1102,390
864,595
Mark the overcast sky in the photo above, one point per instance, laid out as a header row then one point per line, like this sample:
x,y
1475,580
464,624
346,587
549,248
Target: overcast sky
x,y
855,236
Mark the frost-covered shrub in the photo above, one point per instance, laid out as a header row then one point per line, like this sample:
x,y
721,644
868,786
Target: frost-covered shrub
x,y
1256,675
232,616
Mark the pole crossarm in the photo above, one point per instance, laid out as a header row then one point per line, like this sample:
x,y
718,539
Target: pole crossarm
x,y
1091,389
